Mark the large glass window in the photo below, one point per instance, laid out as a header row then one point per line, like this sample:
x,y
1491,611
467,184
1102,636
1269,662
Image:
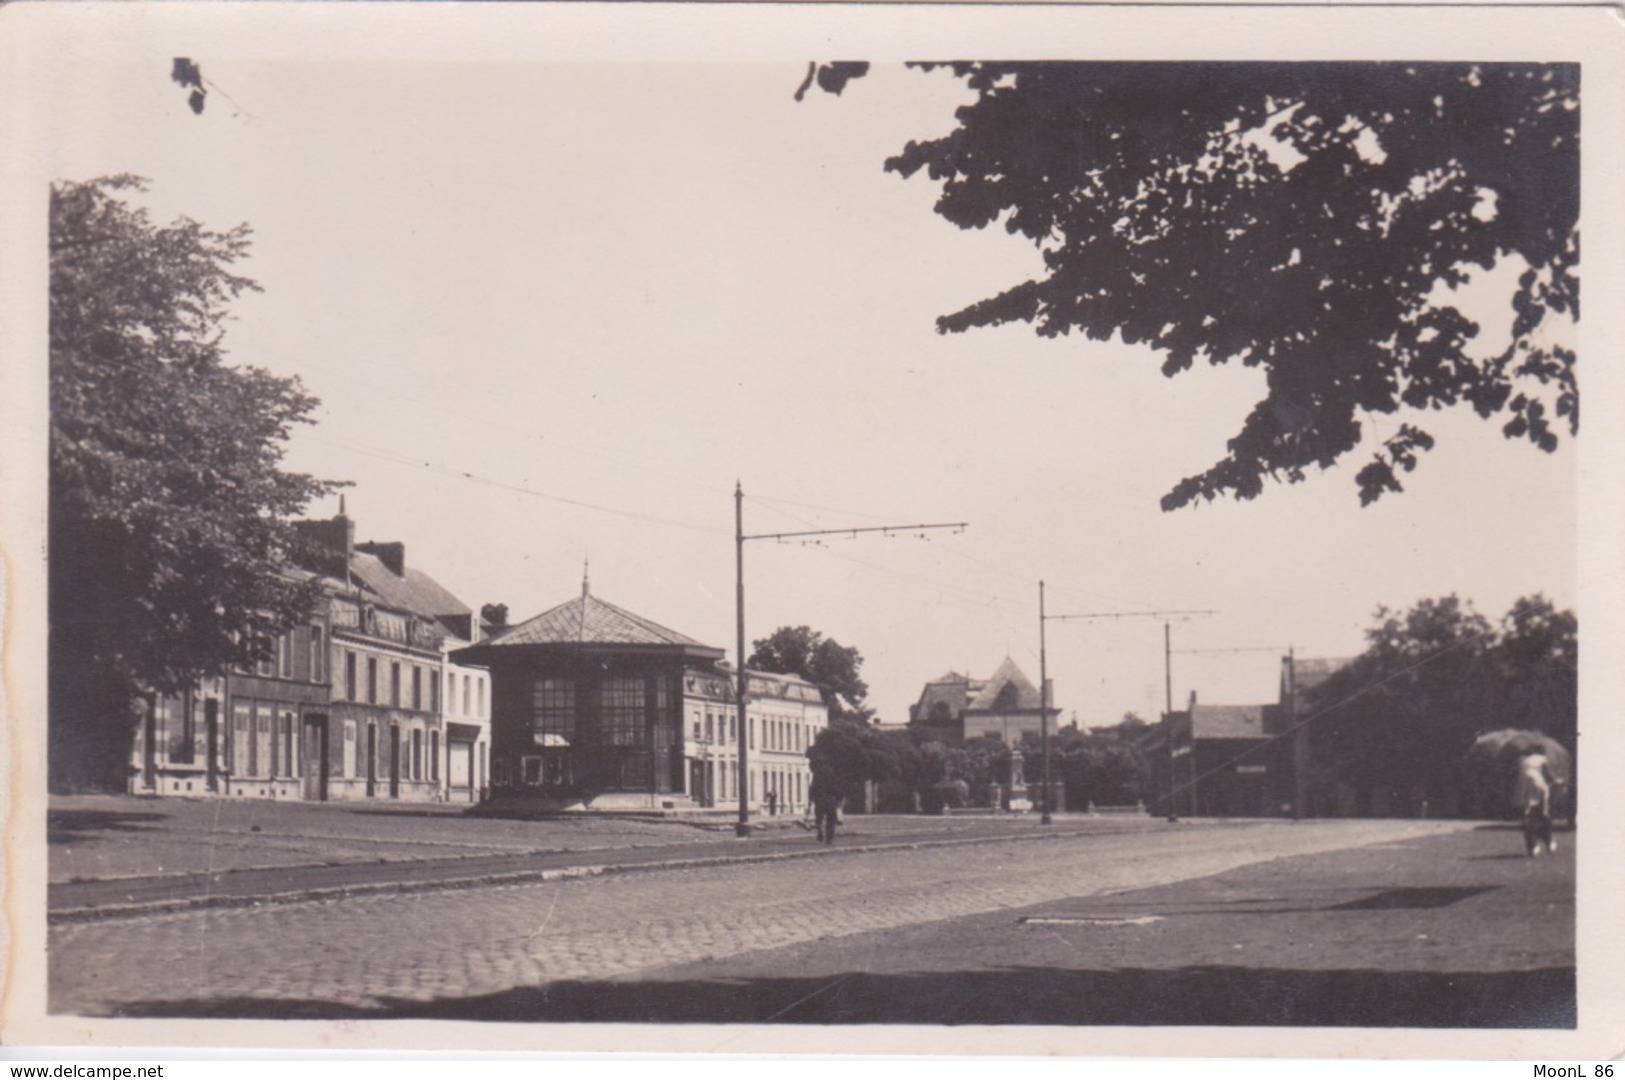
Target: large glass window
x,y
183,731
621,713
553,706
242,737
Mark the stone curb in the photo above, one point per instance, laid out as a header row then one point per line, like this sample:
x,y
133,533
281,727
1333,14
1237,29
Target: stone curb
x,y
518,877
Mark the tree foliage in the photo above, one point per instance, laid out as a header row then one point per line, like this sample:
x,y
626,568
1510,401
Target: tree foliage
x,y
1402,716
1299,218
850,754
803,651
170,532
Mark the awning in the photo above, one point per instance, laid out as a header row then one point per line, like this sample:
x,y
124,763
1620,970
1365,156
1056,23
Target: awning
x,y
549,739
463,732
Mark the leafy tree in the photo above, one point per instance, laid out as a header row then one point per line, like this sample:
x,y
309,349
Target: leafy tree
x,y
1414,700
1400,718
803,651
1300,218
851,754
1537,658
1096,767
170,532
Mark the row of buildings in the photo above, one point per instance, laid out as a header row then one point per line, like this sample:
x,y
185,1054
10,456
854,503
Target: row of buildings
x,y
1205,760
363,700
1245,760
394,689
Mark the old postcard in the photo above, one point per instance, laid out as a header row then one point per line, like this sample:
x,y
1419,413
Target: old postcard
x,y
788,529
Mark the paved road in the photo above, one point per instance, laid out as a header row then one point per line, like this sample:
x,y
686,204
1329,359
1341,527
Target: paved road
x,y
125,896
1453,930
450,952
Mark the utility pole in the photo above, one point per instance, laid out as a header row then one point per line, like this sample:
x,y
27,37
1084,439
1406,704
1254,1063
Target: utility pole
x,y
1289,700
1167,661
742,828
1043,705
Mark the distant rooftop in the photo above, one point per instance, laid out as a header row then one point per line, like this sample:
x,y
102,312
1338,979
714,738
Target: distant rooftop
x,y
1227,721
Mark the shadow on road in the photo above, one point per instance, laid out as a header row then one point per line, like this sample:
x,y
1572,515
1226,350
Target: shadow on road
x,y
78,826
1216,995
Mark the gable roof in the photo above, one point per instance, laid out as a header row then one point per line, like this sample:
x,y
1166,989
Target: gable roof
x,y
414,591
1007,674
587,620
1227,721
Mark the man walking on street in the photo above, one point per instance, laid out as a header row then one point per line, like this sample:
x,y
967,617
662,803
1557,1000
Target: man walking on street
x,y
826,803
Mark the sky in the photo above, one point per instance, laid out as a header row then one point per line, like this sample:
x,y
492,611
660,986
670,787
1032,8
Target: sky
x,y
556,308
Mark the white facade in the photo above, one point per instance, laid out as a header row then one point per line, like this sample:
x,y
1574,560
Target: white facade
x,y
466,718
785,715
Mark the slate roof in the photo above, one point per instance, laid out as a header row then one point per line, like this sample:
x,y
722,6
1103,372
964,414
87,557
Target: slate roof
x,y
587,620
1227,721
415,592
1008,672
952,689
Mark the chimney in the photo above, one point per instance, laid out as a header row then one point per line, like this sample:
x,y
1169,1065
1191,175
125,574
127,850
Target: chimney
x,y
392,554
335,540
495,616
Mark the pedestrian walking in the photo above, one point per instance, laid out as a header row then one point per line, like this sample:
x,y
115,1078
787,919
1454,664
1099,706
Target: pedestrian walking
x,y
772,803
1532,797
826,803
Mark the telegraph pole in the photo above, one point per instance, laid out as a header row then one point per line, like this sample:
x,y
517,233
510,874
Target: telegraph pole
x,y
742,828
1043,704
1290,692
1167,669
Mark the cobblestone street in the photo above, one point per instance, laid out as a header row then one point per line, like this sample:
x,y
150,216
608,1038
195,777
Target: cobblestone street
x,y
369,954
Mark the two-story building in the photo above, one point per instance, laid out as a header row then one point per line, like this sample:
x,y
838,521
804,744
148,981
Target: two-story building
x,y
786,713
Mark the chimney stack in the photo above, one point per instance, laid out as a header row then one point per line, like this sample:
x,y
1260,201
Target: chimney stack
x,y
391,554
335,537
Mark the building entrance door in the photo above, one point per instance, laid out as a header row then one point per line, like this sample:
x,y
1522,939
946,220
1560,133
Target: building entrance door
x,y
461,760
313,766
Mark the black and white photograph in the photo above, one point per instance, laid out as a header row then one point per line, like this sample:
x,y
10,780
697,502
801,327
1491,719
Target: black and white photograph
x,y
815,528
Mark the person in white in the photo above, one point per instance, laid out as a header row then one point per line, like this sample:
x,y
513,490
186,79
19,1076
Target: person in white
x,y
1532,797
